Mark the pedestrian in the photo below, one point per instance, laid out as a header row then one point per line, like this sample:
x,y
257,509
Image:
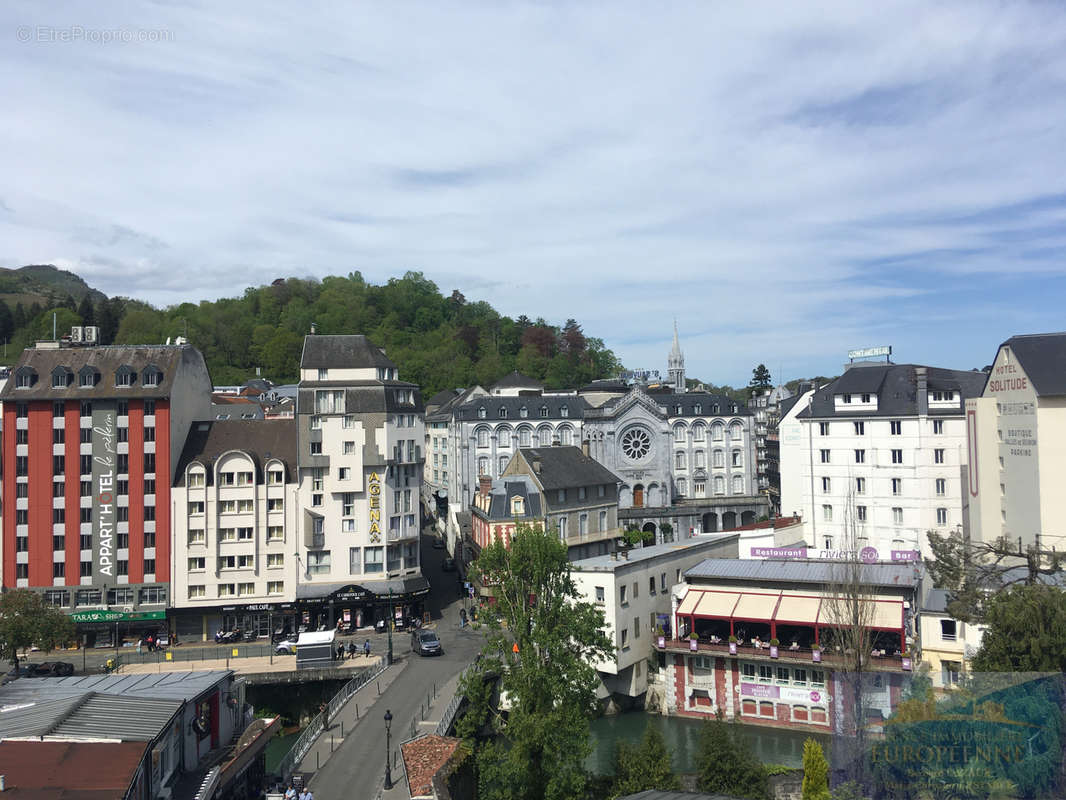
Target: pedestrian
x,y
351,649
340,652
290,793
366,648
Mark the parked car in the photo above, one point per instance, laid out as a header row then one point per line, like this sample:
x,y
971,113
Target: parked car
x,y
448,565
48,669
426,643
286,647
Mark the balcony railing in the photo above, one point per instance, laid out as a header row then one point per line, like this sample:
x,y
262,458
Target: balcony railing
x,y
785,655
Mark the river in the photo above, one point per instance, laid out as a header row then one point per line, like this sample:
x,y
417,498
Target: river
x,y
771,746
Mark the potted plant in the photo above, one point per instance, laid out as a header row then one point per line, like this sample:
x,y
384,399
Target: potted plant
x,y
816,653
905,660
774,642
693,641
661,636
733,645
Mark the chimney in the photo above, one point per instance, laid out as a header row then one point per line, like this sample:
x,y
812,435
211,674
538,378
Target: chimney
x,y
485,485
922,391
585,448
314,328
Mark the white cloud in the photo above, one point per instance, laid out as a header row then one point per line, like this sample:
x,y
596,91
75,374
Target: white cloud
x,y
788,184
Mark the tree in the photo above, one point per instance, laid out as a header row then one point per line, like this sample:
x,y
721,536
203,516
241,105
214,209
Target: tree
x,y
26,620
7,322
726,765
972,572
542,642
1026,631
760,379
644,766
815,772
86,311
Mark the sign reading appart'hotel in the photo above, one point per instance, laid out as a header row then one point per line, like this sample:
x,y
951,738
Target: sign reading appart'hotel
x,y
104,467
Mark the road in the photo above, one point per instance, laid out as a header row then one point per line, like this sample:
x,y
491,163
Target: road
x,y
356,770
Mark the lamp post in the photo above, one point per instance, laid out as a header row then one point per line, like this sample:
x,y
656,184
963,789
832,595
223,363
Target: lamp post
x,y
388,627
388,747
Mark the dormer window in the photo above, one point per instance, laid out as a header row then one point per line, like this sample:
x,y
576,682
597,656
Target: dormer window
x,y
714,409
25,378
152,376
677,410
518,508
87,377
124,376
847,398
523,412
544,412
503,413
564,411
61,377
481,412
698,409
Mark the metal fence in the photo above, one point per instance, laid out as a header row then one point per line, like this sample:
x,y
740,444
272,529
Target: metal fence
x,y
452,708
195,653
318,724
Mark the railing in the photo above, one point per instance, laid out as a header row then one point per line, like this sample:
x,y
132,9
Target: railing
x,y
203,652
828,656
318,724
452,708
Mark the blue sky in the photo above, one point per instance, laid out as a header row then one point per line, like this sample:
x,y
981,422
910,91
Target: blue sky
x,y
788,182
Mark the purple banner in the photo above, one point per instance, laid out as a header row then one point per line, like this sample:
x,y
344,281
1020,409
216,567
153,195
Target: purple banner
x,y
760,690
779,552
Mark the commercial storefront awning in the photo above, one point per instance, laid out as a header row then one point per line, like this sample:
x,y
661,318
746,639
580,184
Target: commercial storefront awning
x,y
408,588
717,604
756,606
690,601
798,610
787,608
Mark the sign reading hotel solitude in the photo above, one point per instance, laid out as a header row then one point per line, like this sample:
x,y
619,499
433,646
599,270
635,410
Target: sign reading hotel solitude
x,y
104,466
867,555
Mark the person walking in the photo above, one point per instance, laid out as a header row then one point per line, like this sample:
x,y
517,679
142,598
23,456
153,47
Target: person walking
x,y
366,648
351,649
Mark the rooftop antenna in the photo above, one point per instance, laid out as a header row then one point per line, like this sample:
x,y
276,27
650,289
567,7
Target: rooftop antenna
x,y
53,326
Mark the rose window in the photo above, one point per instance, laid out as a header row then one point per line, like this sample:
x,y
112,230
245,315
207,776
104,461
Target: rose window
x,y
636,443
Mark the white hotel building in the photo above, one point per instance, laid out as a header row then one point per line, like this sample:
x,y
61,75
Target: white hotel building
x,y
880,451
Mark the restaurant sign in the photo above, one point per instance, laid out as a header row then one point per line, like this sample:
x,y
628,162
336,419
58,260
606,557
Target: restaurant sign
x,y
787,693
867,555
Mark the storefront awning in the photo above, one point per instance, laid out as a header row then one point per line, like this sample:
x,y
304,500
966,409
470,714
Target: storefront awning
x,y
717,604
403,589
887,614
876,613
798,610
690,601
756,606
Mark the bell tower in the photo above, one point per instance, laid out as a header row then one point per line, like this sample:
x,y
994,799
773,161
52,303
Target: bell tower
x,y
675,365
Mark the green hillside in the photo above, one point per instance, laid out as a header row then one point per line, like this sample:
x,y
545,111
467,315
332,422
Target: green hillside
x,y
437,342
43,284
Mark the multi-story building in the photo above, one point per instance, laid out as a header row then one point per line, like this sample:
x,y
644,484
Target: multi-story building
x,y
633,587
91,439
1017,445
360,435
766,406
235,529
875,458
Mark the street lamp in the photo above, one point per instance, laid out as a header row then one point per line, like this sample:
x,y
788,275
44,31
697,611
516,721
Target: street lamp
x,y
388,747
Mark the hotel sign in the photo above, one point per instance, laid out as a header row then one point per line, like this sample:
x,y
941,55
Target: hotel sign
x,y
870,352
374,489
104,436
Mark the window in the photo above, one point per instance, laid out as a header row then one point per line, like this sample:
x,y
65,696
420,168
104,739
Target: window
x,y
22,436
897,515
275,587
155,595
563,525
860,513
823,428
948,630
827,513
149,462
329,401
227,534
860,486
636,627
344,473
938,426
603,521
152,376
860,456
826,484
149,407
318,562
860,428
825,456
57,408
373,559
275,533
716,431
197,506
623,598
197,564
583,524
679,460
58,465
22,466
149,486
87,514
196,479
897,486
847,398
895,427
58,516
245,506
245,562
86,465
941,487
224,506
197,537
938,455
316,448
737,460
226,590
120,597
897,456
197,591
941,516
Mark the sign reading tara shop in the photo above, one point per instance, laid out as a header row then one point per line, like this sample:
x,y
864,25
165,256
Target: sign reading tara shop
x,y
103,486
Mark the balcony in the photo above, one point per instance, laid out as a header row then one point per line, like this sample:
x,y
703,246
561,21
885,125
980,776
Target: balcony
x,y
403,455
890,662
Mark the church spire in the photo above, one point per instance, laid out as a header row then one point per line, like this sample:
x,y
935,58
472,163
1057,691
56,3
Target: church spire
x,y
676,364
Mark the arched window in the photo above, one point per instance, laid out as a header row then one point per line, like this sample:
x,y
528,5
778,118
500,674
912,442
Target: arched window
x,y
482,437
523,412
716,431
679,433
481,413
566,436
719,459
503,412
682,487
699,432
738,484
719,484
152,376
736,432
523,437
503,464
482,465
679,459
737,461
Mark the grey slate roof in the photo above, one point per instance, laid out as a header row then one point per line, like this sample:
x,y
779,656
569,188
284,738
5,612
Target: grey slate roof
x,y
1043,357
106,360
342,352
896,388
516,380
565,467
787,403
638,554
442,397
262,439
799,571
503,489
689,402
575,408
361,397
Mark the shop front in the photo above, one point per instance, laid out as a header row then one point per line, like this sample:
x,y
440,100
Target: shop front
x,y
349,607
103,627
253,620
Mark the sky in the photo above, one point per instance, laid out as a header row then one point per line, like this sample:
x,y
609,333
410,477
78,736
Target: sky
x,y
787,181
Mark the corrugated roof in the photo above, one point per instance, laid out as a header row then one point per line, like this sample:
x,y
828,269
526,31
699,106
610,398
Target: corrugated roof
x,y
159,685
36,718
800,571
342,352
108,716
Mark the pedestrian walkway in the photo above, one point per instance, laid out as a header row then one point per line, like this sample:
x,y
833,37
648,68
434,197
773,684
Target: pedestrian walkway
x,y
259,665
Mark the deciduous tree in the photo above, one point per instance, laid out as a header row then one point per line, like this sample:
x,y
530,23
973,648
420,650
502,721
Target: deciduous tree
x,y
542,642
26,620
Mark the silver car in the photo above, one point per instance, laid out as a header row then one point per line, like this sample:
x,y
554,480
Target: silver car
x,y
426,643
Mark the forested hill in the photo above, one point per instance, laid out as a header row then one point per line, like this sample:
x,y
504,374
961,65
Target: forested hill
x,y
437,342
